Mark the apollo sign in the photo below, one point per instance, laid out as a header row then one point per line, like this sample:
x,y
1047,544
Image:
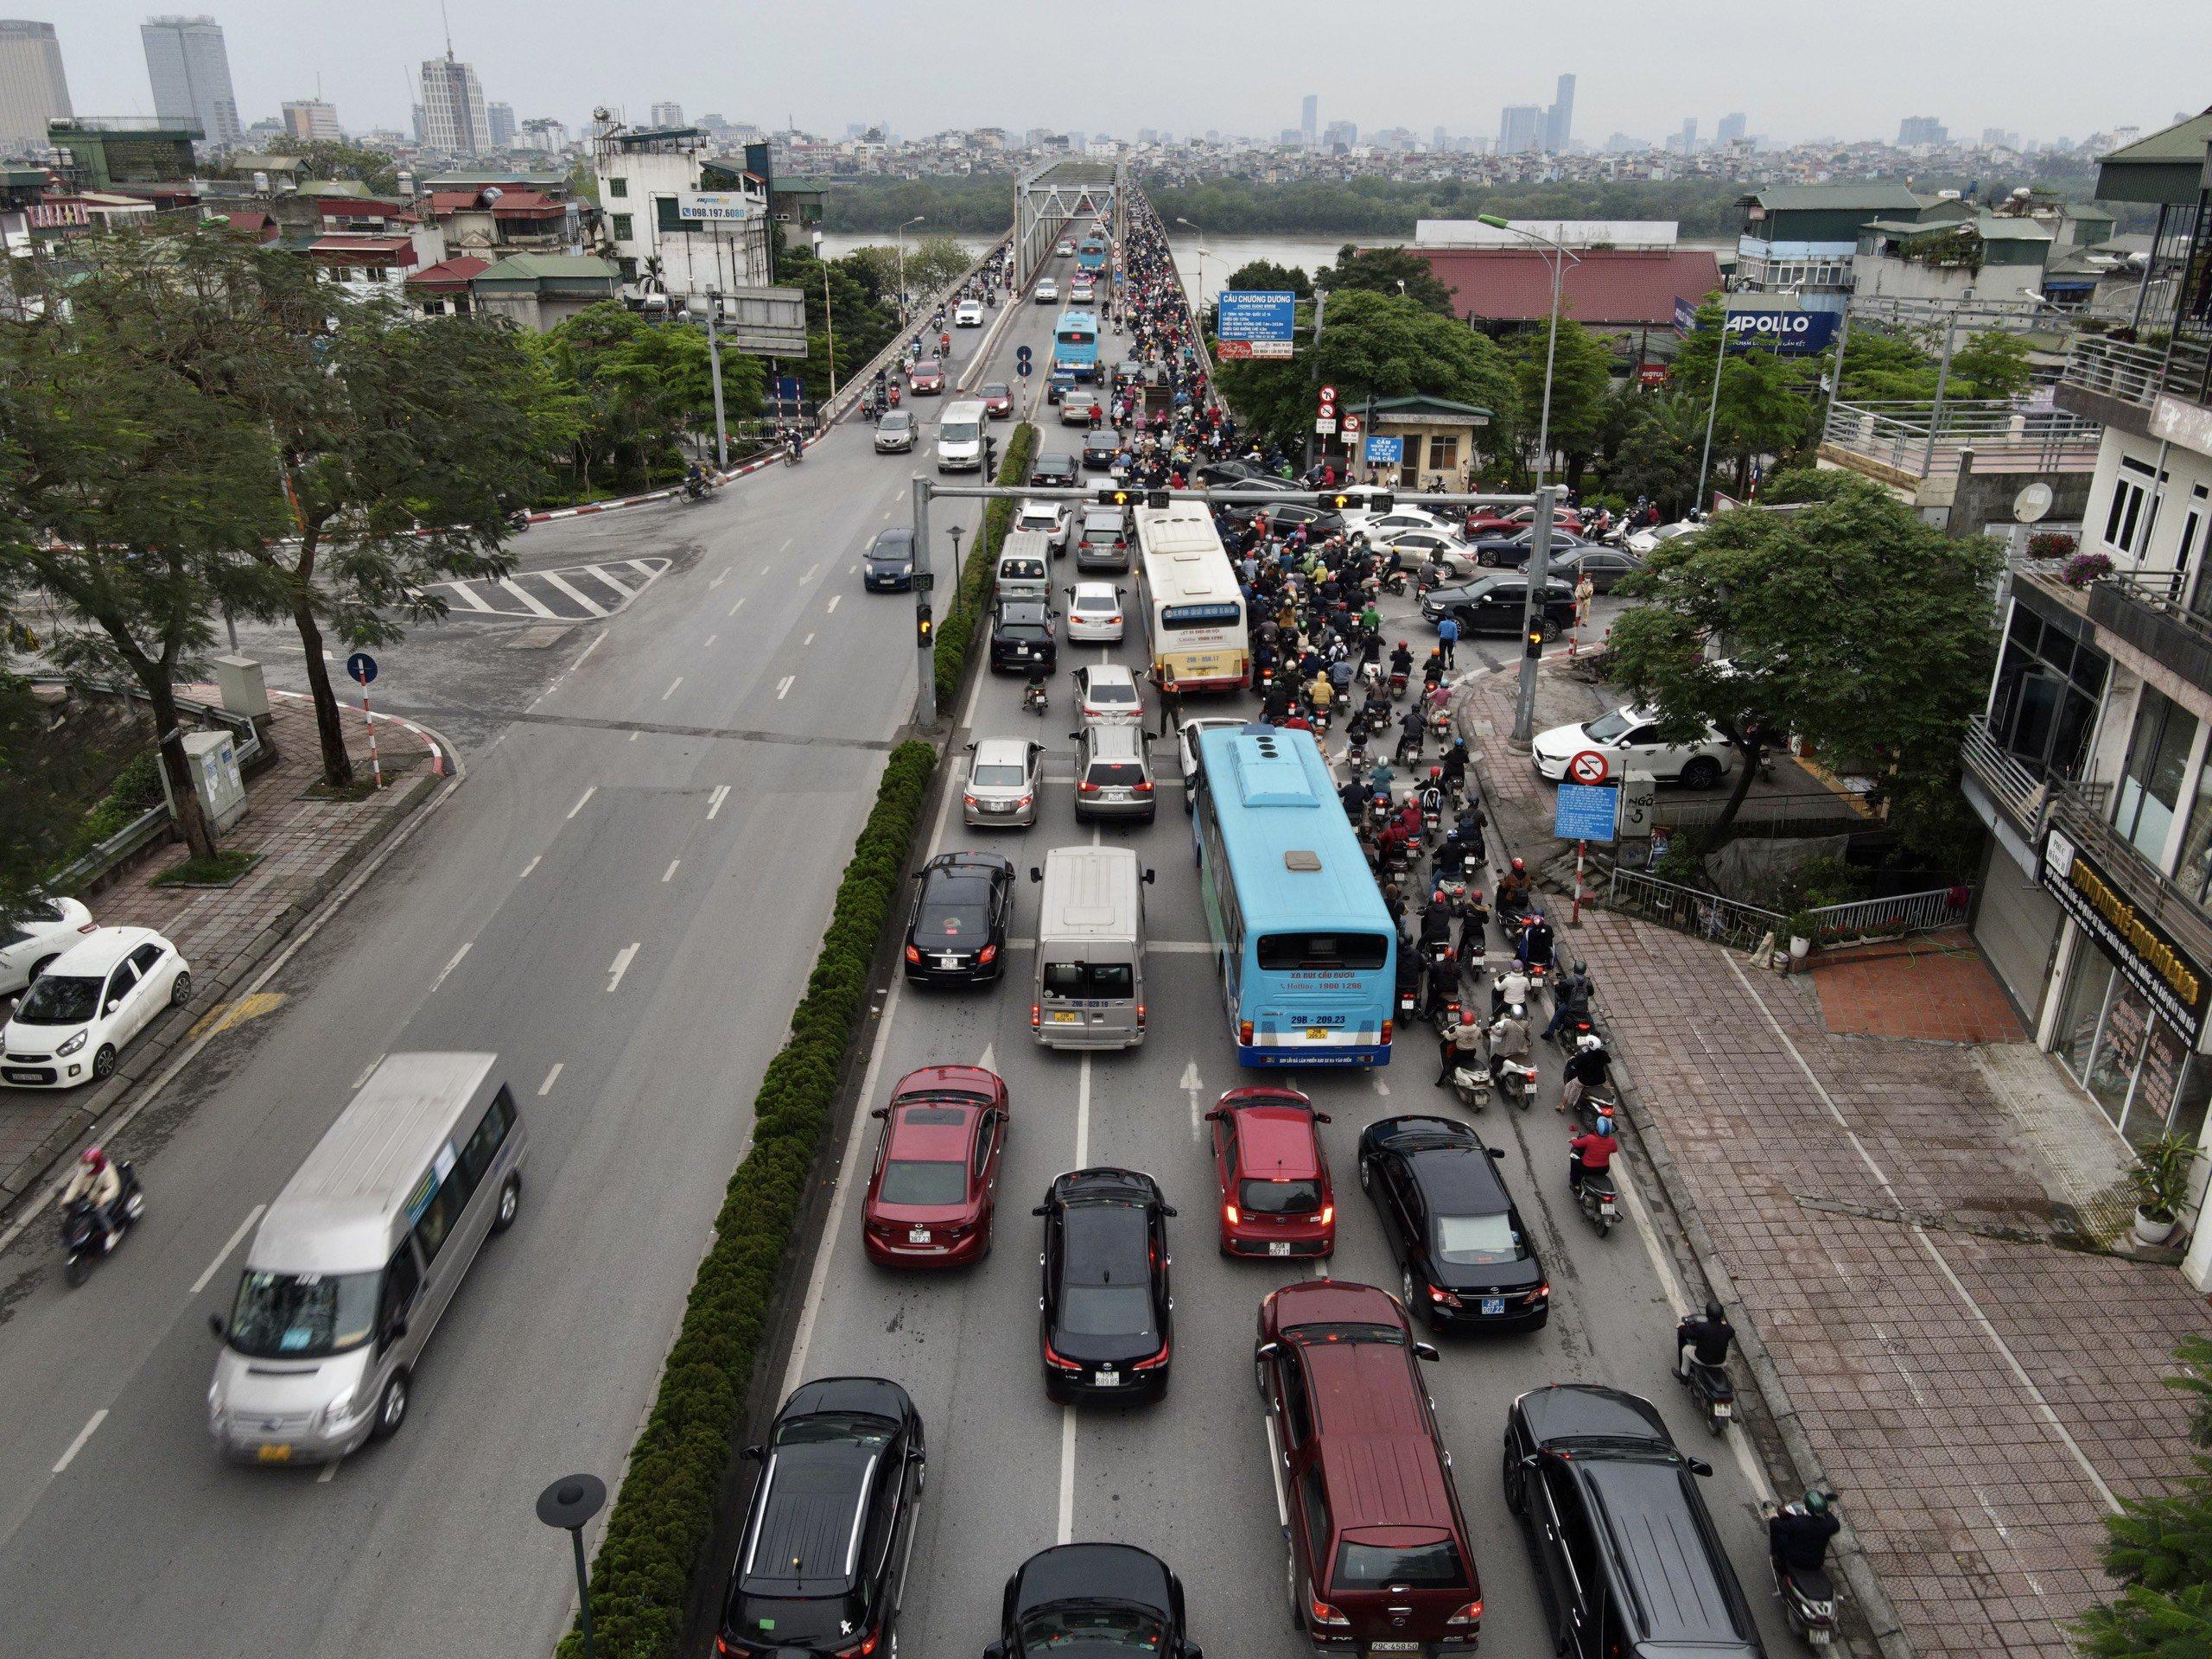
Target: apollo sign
x,y
1793,332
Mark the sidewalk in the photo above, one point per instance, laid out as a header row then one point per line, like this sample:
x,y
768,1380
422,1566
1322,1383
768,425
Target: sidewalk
x,y
1886,1204
307,846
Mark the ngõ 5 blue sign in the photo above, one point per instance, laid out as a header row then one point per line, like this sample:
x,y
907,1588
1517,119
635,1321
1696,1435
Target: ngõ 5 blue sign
x,y
1256,316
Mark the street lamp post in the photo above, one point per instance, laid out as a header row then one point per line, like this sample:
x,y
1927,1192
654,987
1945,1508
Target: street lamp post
x,y
829,315
1201,235
715,373
916,219
568,1505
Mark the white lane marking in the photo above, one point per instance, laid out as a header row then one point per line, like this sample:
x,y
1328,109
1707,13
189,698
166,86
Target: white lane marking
x,y
327,1473
552,1077
632,738
809,576
722,578
735,609
804,643
783,686
671,871
620,966
832,605
588,792
709,646
600,572
765,569
852,570
533,863
1083,1113
450,966
78,1445
463,592
642,568
990,1057
229,1244
715,801
1067,1473
1190,1086
367,1071
1381,1087
784,549
575,593
530,601
672,684
588,649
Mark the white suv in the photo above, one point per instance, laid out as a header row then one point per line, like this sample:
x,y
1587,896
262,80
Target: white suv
x,y
1629,739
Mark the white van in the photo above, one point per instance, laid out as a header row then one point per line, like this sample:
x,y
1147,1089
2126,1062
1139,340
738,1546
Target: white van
x,y
960,436
359,1254
1025,569
1090,980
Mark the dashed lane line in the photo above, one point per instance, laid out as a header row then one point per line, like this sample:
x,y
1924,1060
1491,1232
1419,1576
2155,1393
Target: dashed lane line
x,y
224,1255
551,1077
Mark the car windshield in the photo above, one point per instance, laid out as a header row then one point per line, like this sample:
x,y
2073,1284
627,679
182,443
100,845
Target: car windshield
x,y
898,420
1433,1565
1106,1311
1606,727
1281,1197
957,432
302,1315
59,1000
1093,1627
836,1428
1478,1241
998,774
923,1181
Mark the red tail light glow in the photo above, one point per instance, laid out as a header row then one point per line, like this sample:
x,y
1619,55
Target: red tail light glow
x,y
988,954
1321,1613
1328,1215
1245,1032
1386,1033
1154,1363
912,955
1144,786
1086,787
1472,1613
1059,1361
1036,1016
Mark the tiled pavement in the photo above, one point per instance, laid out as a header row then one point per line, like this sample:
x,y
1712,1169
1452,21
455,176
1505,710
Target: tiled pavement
x,y
1977,1398
307,846
1935,988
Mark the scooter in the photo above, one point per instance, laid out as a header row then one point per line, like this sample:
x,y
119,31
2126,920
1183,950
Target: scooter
x,y
1713,1392
1439,722
1440,985
80,1232
1033,699
1394,584
1408,1006
1470,1083
1518,1079
1378,812
1398,679
1599,1203
1808,1598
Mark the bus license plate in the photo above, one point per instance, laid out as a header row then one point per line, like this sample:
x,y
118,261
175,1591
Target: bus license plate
x,y
278,1453
1278,1247
1317,1033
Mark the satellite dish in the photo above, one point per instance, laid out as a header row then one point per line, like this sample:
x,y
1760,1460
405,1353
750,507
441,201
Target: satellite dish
x,y
2031,503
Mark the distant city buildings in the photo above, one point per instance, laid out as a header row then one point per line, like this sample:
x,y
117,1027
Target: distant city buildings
x,y
1520,129
190,70
1336,134
311,121
453,118
667,115
1559,120
1921,129
500,119
33,88
1730,128
1309,116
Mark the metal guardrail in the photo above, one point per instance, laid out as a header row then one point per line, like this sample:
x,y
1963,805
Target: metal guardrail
x,y
2137,374
1687,910
860,379
1921,441
1817,811
2010,784
1903,913
2081,810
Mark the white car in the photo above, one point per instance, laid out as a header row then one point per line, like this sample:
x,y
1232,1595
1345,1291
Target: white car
x,y
1048,519
1629,739
1418,547
1082,291
69,1027
1643,541
1048,292
1186,737
1364,520
45,929
970,315
1005,778
1064,250
1106,695
1095,612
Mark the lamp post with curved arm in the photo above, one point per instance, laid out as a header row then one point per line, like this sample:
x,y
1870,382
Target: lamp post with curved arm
x,y
903,313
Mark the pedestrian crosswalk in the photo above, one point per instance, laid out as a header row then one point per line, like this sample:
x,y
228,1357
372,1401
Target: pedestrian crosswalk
x,y
574,593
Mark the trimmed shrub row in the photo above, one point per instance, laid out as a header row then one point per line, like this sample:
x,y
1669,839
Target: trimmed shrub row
x,y
665,1513
962,624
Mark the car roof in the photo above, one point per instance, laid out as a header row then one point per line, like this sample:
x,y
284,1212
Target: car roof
x,y
1462,1178
897,536
1097,590
939,1142
1115,742
1002,752
1377,1455
1275,1138
1111,674
1682,1590
1334,1301
1092,1571
99,951
1571,1411
875,1396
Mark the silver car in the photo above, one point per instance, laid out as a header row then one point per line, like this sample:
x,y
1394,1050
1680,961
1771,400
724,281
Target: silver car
x,y
1113,775
1005,776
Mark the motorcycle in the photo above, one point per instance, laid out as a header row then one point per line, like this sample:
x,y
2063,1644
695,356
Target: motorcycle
x,y
1713,1392
1398,679
1599,1203
80,1226
1471,1083
1033,699
1408,1006
518,520
1808,1598
1394,584
1439,985
1518,1079
1378,812
893,394
694,489
1439,720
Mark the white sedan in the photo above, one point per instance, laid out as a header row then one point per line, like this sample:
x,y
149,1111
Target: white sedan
x,y
1095,612
1419,546
69,1027
1187,736
970,315
1362,520
1629,739
1643,540
1048,291
45,929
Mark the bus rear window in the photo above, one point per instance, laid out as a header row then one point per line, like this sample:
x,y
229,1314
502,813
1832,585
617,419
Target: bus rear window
x,y
1076,337
1286,952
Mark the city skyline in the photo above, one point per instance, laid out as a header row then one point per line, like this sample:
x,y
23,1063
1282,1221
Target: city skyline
x,y
368,62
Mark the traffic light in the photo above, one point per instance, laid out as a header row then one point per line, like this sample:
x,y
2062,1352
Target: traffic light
x,y
1334,501
990,458
1535,638
1115,496
1155,498
925,625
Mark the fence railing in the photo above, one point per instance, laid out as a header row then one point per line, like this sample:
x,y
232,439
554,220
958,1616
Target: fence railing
x,y
858,382
2000,771
1809,812
1921,441
1687,910
2136,373
1905,912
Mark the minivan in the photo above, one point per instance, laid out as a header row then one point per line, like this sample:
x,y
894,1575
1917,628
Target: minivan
x,y
960,437
1023,571
359,1256
1089,986
1113,775
1101,539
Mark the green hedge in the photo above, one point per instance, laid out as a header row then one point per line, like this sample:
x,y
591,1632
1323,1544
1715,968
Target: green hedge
x,y
642,1579
962,622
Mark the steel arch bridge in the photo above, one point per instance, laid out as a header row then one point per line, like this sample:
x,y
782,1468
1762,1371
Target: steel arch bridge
x,y
1051,195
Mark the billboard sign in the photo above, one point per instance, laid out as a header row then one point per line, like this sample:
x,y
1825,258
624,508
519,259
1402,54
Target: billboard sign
x,y
1778,328
2173,981
766,321
718,206
1259,322
1384,451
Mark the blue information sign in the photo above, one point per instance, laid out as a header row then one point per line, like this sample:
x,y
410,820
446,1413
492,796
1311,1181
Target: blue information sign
x,y
1587,811
361,666
1385,452
787,388
1254,315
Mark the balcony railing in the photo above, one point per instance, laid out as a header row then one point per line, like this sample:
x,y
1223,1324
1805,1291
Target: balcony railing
x,y
1997,769
2137,374
1920,440
2147,609
2081,810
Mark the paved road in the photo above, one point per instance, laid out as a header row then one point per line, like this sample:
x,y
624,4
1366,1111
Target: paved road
x,y
1010,1473
622,900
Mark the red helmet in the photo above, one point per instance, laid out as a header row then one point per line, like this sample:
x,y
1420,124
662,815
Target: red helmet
x,y
95,1159
1436,772
1519,868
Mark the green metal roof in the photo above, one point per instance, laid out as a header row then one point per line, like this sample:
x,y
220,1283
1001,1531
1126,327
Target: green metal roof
x,y
535,266
2168,166
1836,198
1413,406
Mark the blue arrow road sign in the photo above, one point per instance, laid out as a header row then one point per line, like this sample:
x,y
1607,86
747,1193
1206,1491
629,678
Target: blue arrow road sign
x,y
1587,811
361,666
1021,353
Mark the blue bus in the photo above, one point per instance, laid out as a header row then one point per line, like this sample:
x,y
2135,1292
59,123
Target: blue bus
x,y
1307,953
1090,253
1075,343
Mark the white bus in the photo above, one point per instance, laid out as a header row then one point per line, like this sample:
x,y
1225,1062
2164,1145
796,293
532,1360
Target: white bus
x,y
1195,631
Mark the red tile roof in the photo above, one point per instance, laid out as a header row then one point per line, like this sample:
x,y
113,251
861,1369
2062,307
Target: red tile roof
x,y
513,204
1614,287
449,276
358,248
254,224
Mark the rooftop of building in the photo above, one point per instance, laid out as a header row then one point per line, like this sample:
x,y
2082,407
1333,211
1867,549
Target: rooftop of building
x,y
1607,287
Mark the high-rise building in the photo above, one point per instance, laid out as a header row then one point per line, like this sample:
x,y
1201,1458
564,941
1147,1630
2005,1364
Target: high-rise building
x,y
1689,135
311,121
1559,120
1309,117
33,88
668,115
1730,128
1345,133
543,132
455,118
1520,129
191,72
1921,129
500,119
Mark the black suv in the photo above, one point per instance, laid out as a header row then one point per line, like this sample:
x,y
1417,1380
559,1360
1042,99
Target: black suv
x,y
1022,636
822,1562
1100,1599
887,567
1493,604
1467,1261
956,934
1105,1316
1629,1556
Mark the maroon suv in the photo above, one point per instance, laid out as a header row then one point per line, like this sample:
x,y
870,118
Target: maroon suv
x,y
1379,1558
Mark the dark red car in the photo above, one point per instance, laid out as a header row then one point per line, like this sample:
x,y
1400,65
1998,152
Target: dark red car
x,y
926,376
998,399
932,1192
1276,1199
1490,521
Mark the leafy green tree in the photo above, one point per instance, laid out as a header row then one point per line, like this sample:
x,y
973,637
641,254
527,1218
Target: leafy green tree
x,y
1657,451
864,322
38,812
1395,272
1768,403
583,181
933,261
1993,363
1849,622
631,389
1880,366
2160,1549
1581,381
1265,277
341,161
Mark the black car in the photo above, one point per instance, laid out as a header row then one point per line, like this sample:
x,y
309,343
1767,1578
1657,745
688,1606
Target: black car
x,y
1467,1261
1099,448
1279,518
1022,636
957,936
823,1558
887,567
1105,1320
1494,604
1054,470
1606,565
1099,1599
1630,1559
1512,552
1228,473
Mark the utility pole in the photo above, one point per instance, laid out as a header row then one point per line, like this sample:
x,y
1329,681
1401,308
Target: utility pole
x,y
1943,380
715,373
1535,624
1713,409
925,630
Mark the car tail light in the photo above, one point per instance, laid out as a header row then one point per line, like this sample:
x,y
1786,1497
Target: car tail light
x,y
1027,800
1115,620
913,955
1059,1361
1540,1293
1140,1016
1328,1214
89,927
1321,1613
1036,1016
988,953
1229,1213
968,800
1144,786
1154,1363
1245,1032
1442,1298
1119,544
1086,787
724,1649
1470,1614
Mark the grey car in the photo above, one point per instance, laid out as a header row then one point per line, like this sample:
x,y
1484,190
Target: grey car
x,y
1113,775
895,432
887,567
1005,776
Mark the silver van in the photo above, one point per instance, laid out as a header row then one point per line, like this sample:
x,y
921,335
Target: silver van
x,y
359,1254
1024,570
1089,986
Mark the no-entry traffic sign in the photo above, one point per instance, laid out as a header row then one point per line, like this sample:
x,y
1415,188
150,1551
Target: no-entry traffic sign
x,y
1589,768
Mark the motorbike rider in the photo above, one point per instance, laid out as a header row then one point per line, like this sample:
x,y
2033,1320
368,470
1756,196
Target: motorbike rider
x,y
1571,998
1455,767
1588,1067
1797,1535
1705,1337
1402,659
1591,1153
1435,923
1411,730
1510,989
1534,950
1508,1040
1354,797
1034,691
95,1180
1461,1036
1474,917
1431,795
1513,890
795,441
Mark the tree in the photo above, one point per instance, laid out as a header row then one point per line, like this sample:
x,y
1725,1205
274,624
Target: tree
x,y
1394,271
1766,406
325,159
1265,277
863,322
39,813
1658,450
1581,377
1879,366
629,389
2160,1549
933,261
1848,622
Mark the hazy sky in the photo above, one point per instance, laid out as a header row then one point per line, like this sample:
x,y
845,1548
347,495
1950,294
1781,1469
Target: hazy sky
x,y
1184,65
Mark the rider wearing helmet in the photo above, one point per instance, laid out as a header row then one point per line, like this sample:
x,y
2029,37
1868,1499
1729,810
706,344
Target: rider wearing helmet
x,y
1797,1535
1513,891
95,1180
1705,1336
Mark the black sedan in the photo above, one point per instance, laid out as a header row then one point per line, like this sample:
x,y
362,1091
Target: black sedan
x,y
1105,1320
1055,471
1279,518
887,567
1099,448
1022,636
1494,604
1092,1599
1467,1261
956,934
1607,566
1512,552
844,1461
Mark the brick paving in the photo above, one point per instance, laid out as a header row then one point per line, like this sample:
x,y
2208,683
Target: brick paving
x,y
306,846
1934,988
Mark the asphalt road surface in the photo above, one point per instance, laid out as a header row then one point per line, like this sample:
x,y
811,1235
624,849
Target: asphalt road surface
x,y
623,900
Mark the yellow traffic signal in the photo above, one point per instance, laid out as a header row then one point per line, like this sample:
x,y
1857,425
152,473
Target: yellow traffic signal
x,y
1537,639
925,625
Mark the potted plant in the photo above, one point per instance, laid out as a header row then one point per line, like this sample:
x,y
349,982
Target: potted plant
x,y
2082,569
1803,927
2160,1177
2052,544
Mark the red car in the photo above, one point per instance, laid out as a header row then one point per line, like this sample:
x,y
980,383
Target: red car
x,y
998,399
924,377
1484,521
1276,1199
933,1190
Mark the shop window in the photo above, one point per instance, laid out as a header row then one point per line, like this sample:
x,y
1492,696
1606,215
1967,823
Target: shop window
x,y
2089,981
2110,1077
2149,789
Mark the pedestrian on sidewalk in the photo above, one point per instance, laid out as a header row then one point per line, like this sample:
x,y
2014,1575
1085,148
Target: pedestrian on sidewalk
x,y
1447,637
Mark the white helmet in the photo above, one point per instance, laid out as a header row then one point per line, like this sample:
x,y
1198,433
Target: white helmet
x,y
1588,1039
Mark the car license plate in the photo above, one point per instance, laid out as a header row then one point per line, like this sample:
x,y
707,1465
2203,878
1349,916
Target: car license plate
x,y
1394,1647
1060,1018
998,806
1493,1304
918,1235
279,1452
948,961
1278,1247
1110,1379
18,1074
